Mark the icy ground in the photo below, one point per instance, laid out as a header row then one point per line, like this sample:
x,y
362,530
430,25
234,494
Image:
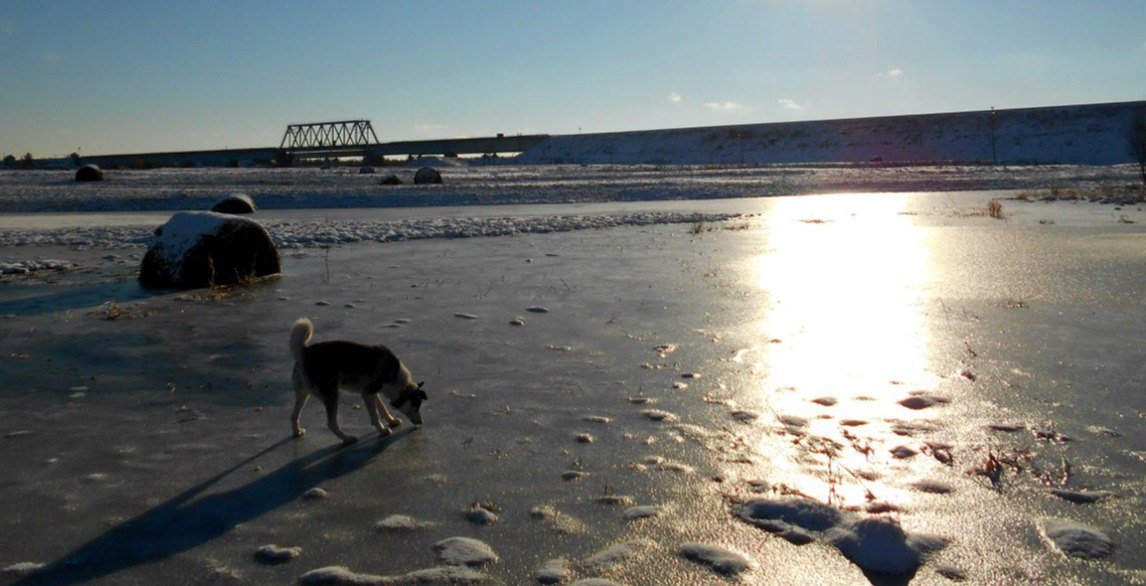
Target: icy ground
x,y
274,189
830,389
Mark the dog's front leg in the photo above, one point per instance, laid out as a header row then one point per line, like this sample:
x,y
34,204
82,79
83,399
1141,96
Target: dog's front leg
x,y
372,408
331,401
393,421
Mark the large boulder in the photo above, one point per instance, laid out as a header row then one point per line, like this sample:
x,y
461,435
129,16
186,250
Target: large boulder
x,y
205,249
236,203
427,175
89,173
391,180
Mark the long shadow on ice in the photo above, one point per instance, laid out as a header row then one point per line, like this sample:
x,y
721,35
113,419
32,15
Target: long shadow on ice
x,y
45,299
185,522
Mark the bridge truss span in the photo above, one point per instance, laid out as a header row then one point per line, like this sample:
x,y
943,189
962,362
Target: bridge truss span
x,y
322,135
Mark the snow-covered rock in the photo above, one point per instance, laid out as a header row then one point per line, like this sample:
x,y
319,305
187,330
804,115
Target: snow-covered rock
x,y
235,203
427,175
203,249
89,173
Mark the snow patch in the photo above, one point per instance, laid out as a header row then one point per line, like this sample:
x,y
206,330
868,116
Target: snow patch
x,y
342,576
614,556
1077,540
464,551
275,554
554,571
721,560
402,523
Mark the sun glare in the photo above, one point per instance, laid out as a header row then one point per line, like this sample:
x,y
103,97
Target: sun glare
x,y
842,325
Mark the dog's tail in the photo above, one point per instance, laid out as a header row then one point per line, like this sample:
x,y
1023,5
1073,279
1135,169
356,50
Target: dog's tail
x,y
300,336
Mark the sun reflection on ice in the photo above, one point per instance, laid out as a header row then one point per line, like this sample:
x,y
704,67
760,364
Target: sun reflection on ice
x,y
842,334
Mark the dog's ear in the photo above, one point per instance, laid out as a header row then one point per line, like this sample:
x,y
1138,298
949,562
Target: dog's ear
x,y
420,383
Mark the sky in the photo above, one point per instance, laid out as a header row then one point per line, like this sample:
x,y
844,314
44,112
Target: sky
x,y
118,76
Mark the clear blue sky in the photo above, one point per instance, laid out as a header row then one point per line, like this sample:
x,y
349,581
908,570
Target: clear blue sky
x,y
134,76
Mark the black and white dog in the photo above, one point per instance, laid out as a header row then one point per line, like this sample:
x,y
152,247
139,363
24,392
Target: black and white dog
x,y
326,367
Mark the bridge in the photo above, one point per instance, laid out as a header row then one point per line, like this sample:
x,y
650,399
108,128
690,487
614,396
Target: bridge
x,y
351,138
325,140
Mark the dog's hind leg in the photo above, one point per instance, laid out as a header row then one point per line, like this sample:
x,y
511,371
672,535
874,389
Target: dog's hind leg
x,y
330,399
390,419
301,394
372,408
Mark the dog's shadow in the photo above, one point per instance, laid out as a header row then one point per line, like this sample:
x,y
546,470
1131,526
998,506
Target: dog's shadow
x,y
185,521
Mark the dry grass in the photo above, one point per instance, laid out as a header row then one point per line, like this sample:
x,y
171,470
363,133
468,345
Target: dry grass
x,y
995,209
112,311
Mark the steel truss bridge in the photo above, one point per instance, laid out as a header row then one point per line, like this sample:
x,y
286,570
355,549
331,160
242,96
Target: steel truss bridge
x,y
319,140
356,138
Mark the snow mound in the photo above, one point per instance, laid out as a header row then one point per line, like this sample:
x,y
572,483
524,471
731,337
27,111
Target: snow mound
x,y
643,512
21,569
1082,497
792,512
342,576
880,545
464,551
479,515
315,493
554,571
876,544
658,415
28,266
613,556
558,521
402,523
275,554
721,560
1077,540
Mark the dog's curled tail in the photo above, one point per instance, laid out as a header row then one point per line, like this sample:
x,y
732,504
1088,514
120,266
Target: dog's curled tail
x,y
300,336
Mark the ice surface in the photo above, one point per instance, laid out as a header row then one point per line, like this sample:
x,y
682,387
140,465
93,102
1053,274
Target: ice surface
x,y
215,480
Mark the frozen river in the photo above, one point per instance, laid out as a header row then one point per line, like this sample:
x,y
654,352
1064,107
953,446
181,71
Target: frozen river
x,y
928,384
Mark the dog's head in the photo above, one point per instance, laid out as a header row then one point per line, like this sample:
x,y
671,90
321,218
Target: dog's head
x,y
409,402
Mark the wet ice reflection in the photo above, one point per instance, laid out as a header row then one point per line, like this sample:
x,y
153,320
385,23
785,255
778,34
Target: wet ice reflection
x,y
842,335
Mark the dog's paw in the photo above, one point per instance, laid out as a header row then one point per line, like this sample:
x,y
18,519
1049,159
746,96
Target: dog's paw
x,y
384,431
299,432
395,422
